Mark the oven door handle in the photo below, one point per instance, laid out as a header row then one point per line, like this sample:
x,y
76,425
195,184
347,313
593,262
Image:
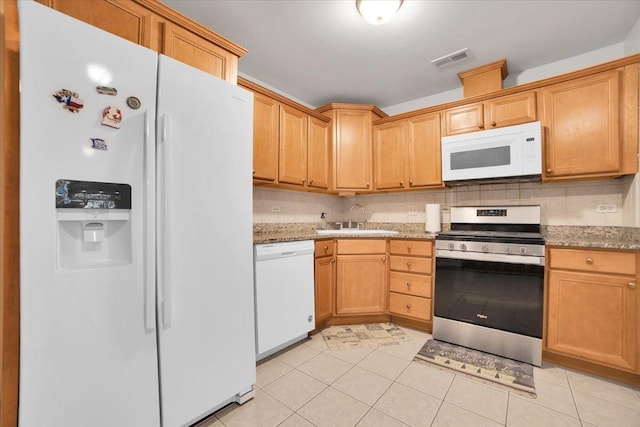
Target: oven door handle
x,y
482,256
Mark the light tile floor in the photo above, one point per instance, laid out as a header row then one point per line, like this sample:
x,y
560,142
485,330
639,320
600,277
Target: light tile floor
x,y
310,385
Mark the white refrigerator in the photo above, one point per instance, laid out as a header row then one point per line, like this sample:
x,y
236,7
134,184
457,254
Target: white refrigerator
x,y
136,276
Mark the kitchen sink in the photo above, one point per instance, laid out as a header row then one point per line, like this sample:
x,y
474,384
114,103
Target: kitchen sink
x,y
356,231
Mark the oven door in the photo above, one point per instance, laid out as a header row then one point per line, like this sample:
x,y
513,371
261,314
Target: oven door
x,y
498,295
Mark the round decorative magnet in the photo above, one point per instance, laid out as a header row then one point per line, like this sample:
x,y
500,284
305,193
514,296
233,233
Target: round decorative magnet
x,y
133,102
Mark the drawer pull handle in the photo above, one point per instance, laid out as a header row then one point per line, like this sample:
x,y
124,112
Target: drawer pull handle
x,y
632,285
589,261
409,306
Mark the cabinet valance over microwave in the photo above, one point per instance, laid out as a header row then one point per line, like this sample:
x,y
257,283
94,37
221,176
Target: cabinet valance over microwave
x,y
514,151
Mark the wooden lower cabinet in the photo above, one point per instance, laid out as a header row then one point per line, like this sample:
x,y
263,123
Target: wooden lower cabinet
x,y
411,282
361,284
593,308
325,280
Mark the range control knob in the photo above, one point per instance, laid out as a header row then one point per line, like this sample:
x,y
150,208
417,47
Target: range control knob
x,y
523,251
508,249
485,247
463,247
451,246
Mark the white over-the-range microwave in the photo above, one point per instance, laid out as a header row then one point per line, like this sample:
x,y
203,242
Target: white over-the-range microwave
x,y
509,152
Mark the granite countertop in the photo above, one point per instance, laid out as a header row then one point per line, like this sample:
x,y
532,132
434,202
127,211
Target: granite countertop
x,y
273,233
627,238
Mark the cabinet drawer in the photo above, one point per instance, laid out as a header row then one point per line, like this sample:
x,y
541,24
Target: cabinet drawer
x,y
361,246
410,306
593,260
411,247
323,248
411,264
411,284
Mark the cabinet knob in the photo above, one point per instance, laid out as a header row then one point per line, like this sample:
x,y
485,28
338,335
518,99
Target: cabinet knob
x,y
304,180
310,181
384,258
408,284
589,261
333,260
408,248
549,172
494,124
253,172
401,183
410,182
408,305
480,126
368,185
632,285
408,264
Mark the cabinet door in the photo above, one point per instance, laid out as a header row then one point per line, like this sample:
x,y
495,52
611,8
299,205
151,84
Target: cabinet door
x,y
511,110
389,153
191,49
361,284
463,119
293,146
594,317
319,154
425,163
266,116
353,150
582,123
324,286
124,19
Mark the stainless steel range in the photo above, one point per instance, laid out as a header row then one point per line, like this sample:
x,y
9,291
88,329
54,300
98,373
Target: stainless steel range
x,y
489,281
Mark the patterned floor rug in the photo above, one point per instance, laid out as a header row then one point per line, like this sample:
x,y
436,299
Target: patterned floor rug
x,y
487,367
357,336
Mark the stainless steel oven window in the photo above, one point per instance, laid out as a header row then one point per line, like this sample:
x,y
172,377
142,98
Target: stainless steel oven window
x,y
486,157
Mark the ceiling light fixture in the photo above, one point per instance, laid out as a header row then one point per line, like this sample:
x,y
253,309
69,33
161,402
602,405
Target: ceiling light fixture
x,y
378,12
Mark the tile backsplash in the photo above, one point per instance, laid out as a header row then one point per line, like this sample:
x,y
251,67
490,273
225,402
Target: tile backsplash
x,y
571,203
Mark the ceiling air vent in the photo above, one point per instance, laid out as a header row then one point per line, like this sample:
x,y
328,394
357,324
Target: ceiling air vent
x,y
452,57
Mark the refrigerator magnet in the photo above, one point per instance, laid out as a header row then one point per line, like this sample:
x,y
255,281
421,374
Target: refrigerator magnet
x,y
112,116
106,90
70,100
99,144
133,102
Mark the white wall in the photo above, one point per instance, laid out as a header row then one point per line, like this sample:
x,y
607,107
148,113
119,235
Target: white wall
x,y
574,63
632,197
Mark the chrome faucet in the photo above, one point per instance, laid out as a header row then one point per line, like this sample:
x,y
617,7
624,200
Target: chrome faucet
x,y
351,211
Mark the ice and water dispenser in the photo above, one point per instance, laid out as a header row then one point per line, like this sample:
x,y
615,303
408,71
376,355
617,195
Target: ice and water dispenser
x,y
94,224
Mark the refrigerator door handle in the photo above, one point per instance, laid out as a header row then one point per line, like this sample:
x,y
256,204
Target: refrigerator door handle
x,y
164,270
149,231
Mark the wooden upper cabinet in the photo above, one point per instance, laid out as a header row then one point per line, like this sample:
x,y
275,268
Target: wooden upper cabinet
x,y
498,112
293,146
125,19
319,154
352,145
353,150
200,53
266,117
152,24
510,110
463,119
424,159
407,153
389,153
581,118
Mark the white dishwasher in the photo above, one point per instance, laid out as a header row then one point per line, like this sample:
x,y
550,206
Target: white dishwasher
x,y
284,292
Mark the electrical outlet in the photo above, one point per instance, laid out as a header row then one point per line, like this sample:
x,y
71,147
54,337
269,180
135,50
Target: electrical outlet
x,y
413,210
275,208
607,208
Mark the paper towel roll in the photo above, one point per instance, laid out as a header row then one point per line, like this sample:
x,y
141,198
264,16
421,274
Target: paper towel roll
x,y
432,220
